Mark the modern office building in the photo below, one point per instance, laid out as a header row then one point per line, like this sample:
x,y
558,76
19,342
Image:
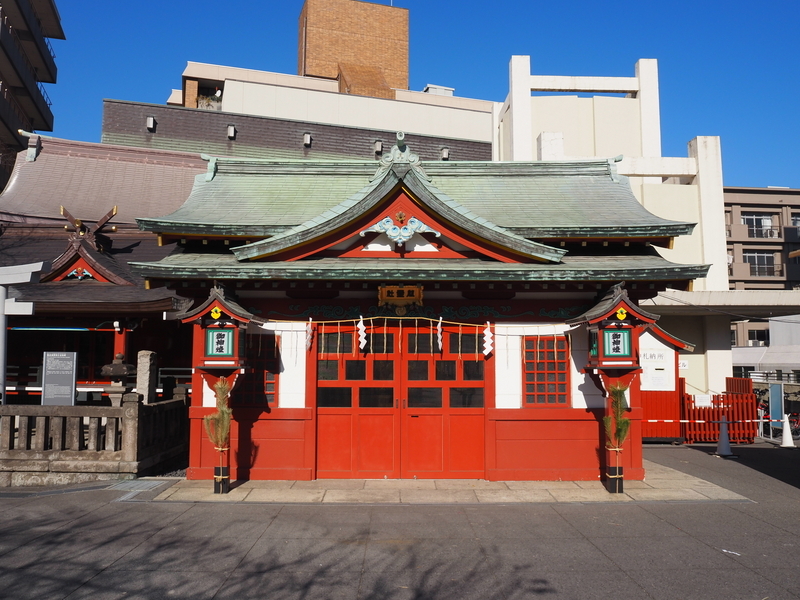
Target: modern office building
x,y
27,61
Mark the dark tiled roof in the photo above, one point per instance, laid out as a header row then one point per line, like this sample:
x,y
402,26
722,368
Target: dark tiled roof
x,y
20,245
88,179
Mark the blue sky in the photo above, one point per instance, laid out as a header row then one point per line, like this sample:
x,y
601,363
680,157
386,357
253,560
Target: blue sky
x,y
730,68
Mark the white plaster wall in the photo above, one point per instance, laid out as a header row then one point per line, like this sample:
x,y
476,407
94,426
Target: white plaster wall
x,y
317,106
585,394
712,360
209,396
292,378
509,355
658,364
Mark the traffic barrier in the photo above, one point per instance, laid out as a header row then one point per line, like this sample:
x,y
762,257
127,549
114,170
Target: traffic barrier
x,y
724,443
787,441
702,423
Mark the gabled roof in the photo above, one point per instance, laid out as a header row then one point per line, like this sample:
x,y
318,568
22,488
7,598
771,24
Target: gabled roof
x,y
90,177
259,198
220,297
23,244
615,297
102,263
399,168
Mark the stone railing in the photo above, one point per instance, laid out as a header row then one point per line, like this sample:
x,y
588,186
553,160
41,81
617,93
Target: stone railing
x,y
44,445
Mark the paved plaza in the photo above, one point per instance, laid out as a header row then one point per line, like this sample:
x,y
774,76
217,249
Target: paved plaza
x,y
698,527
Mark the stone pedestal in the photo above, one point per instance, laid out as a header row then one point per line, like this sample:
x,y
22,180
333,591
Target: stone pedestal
x,y
147,376
115,392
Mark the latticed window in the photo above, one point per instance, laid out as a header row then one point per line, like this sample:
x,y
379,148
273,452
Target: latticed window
x,y
546,371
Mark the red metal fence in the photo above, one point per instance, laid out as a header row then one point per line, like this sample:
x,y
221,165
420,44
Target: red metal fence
x,y
738,405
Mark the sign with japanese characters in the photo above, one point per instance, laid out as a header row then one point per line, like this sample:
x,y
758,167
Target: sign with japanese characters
x,y
219,342
617,342
58,381
400,296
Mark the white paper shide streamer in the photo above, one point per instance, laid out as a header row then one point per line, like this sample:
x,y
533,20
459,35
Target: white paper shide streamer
x,y
362,333
488,339
439,334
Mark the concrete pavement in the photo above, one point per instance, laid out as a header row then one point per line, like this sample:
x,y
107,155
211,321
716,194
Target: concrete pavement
x,y
100,543
661,484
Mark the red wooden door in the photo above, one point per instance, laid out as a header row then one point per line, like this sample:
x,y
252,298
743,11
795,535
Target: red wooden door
x,y
402,407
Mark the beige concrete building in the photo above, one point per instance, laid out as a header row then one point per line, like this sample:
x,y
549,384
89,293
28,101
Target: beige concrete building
x,y
763,246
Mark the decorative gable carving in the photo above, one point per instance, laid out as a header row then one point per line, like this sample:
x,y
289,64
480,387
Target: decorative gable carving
x,y
400,234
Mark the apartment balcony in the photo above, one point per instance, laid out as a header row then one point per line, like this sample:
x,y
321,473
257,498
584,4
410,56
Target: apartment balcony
x,y
33,38
20,78
12,119
741,231
766,233
740,271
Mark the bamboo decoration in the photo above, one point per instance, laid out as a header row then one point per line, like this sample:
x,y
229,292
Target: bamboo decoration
x,y
617,427
218,428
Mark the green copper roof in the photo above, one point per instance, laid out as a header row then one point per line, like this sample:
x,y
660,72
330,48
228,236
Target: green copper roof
x,y
396,169
571,268
261,198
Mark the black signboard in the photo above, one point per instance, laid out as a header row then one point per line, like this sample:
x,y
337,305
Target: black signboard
x,y
58,383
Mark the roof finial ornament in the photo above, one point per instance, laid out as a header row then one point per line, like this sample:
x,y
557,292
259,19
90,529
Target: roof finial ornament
x,y
400,154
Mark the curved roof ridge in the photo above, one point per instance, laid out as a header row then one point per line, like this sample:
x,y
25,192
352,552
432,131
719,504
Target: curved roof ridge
x,y
371,195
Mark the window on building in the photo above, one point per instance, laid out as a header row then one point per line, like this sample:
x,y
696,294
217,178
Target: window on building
x,y
743,372
546,371
762,264
733,338
795,219
760,225
758,337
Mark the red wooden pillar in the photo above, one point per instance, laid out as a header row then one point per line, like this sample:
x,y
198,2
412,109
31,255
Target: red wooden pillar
x,y
121,343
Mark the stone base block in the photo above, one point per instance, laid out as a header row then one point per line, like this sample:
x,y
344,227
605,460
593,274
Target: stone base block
x,y
32,479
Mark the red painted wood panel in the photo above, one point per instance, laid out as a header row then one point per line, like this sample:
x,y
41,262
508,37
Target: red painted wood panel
x,y
661,406
377,445
334,458
424,445
467,447
554,444
264,445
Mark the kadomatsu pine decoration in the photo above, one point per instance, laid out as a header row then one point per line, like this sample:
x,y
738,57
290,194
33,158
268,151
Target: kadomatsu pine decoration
x,y
218,428
617,427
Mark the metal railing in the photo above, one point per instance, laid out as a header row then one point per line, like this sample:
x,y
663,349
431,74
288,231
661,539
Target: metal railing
x,y
24,56
8,95
43,31
765,270
764,232
775,376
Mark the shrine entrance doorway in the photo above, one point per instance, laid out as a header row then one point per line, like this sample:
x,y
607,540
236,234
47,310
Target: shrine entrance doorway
x,y
409,404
